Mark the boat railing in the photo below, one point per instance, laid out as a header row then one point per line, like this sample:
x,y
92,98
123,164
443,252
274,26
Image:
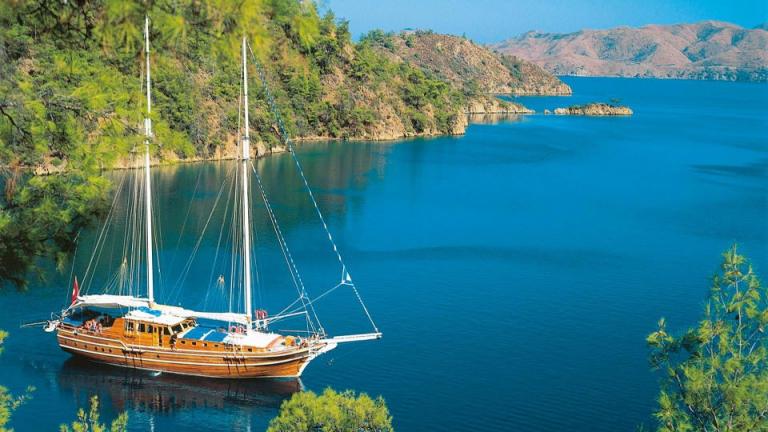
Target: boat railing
x,y
93,335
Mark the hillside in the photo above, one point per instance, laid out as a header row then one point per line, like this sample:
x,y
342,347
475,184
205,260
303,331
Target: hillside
x,y
468,65
706,50
72,80
72,102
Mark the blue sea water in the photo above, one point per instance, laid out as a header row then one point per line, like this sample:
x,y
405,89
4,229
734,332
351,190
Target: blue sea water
x,y
514,271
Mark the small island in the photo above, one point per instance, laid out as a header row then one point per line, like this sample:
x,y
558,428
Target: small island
x,y
595,109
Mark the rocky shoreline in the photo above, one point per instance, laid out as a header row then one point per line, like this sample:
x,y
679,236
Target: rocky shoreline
x,y
484,105
478,106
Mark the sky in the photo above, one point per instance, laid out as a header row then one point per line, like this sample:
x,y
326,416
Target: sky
x,y
488,21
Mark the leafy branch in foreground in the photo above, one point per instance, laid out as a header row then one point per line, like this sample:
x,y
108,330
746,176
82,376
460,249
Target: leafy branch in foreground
x,y
716,375
332,411
89,421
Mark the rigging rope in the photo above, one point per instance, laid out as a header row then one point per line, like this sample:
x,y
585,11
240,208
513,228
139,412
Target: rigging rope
x,y
186,217
346,278
188,265
99,241
292,269
227,207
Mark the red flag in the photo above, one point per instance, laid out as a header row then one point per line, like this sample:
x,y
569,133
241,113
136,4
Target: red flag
x,y
75,291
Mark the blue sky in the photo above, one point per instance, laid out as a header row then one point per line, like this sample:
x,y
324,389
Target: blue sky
x,y
494,20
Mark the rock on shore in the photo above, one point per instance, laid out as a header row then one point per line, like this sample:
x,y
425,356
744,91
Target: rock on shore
x,y
489,105
595,109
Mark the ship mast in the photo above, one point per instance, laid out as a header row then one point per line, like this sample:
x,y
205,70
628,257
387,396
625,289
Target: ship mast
x,y
246,155
148,191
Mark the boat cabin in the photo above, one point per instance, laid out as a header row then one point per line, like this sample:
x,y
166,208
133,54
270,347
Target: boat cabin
x,y
151,327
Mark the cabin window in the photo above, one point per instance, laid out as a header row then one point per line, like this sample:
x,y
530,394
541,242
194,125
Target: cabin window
x,y
167,331
250,349
205,344
177,328
129,325
194,343
183,342
150,329
215,345
141,327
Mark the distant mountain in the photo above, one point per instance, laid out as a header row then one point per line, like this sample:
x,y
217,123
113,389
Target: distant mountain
x,y
705,50
467,64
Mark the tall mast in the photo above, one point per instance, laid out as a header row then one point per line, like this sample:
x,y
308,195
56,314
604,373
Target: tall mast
x,y
148,191
246,204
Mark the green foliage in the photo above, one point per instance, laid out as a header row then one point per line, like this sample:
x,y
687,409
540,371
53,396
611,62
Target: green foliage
x,y
332,411
75,94
89,421
716,374
43,217
515,66
379,37
472,88
429,102
410,41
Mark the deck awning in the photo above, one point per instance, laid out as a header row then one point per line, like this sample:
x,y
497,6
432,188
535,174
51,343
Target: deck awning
x,y
159,318
111,301
255,339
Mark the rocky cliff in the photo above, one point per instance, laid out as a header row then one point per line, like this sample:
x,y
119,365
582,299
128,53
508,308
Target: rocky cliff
x,y
495,106
705,50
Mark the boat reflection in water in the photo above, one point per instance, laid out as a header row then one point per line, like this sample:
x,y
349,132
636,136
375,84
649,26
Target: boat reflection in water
x,y
132,390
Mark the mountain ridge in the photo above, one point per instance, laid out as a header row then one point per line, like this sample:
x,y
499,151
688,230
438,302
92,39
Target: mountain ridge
x,y
705,50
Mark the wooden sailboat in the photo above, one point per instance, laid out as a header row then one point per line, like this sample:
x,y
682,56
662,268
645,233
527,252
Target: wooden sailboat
x,y
136,332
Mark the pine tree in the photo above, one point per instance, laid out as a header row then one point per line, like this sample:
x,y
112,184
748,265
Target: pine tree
x,y
90,422
332,411
716,374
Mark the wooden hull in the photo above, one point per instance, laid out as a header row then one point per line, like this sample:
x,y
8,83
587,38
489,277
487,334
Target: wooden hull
x,y
225,363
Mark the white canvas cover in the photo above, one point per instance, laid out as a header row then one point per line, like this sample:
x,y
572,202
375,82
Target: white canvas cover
x,y
119,301
253,338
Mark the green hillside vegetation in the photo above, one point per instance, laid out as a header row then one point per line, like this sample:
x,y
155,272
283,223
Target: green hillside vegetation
x,y
71,99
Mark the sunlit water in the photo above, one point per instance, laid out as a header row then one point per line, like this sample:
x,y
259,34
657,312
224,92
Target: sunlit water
x,y
514,271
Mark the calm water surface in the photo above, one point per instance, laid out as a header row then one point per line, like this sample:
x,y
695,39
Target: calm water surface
x,y
514,271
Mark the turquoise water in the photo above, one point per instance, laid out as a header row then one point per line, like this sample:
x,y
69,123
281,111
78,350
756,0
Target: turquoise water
x,y
515,271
